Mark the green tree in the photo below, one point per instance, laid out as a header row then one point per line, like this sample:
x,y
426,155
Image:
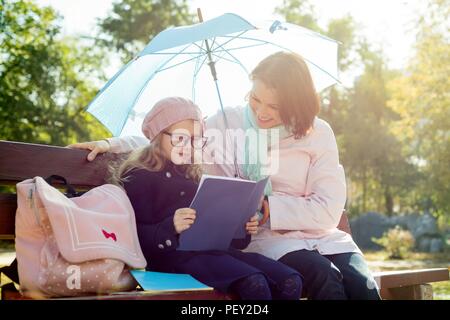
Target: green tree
x,y
42,78
344,30
374,156
421,95
335,100
133,23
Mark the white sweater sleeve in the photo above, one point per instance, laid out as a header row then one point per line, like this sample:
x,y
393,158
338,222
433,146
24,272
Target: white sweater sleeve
x,y
126,144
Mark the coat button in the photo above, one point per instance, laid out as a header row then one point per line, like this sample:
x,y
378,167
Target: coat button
x,y
168,174
168,243
182,193
160,246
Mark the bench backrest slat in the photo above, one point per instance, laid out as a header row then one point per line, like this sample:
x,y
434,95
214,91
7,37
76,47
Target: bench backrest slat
x,y
20,161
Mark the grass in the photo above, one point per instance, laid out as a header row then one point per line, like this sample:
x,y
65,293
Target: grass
x,y
7,244
379,261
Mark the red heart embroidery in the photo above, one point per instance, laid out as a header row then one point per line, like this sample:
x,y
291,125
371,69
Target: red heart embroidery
x,y
111,235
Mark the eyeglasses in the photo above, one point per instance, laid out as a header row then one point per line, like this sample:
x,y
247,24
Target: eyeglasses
x,y
182,140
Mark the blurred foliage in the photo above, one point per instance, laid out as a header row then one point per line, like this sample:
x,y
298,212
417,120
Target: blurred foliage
x,y
421,96
133,23
45,82
372,154
398,243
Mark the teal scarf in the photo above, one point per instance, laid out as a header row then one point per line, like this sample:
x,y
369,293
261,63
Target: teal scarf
x,y
253,169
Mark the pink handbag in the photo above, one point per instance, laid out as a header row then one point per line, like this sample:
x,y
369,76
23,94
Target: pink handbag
x,y
75,246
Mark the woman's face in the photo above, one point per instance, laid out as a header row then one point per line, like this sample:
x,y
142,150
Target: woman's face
x,y
265,105
176,142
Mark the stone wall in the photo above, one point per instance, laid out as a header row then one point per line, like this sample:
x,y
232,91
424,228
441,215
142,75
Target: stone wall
x,y
422,226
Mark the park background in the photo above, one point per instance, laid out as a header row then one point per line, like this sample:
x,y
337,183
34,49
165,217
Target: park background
x,y
390,115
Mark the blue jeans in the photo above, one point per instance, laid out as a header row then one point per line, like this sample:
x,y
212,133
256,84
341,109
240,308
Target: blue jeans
x,y
333,277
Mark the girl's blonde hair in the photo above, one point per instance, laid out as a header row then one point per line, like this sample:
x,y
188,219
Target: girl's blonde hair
x,y
149,158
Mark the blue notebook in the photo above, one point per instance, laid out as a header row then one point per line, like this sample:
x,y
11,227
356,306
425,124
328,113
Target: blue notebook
x,y
159,281
223,205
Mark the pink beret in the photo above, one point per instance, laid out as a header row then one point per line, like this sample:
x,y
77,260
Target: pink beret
x,y
167,112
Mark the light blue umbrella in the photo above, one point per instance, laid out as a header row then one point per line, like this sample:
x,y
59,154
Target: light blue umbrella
x,y
187,61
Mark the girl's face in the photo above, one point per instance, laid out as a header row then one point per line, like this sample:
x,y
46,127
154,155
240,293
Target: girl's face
x,y
176,142
265,105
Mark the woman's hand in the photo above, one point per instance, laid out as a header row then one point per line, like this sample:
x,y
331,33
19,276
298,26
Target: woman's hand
x,y
252,225
261,203
183,219
265,209
96,147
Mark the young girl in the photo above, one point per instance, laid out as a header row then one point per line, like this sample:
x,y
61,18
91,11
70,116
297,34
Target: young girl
x,y
161,183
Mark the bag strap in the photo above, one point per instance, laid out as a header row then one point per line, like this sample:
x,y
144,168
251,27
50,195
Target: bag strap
x,y
9,291
70,190
11,271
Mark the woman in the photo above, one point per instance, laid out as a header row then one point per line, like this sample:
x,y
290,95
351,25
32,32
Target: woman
x,y
307,193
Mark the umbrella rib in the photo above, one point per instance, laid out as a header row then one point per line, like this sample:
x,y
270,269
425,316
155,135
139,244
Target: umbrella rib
x,y
182,62
197,69
231,39
307,60
199,54
200,47
243,38
212,44
262,42
243,47
194,78
172,53
233,60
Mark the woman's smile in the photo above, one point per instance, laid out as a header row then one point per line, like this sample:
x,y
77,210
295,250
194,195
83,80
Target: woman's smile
x,y
263,120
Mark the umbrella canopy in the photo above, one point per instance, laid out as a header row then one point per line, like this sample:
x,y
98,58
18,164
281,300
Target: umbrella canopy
x,y
177,62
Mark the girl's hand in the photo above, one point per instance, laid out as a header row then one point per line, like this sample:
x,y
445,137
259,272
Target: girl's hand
x,y
252,225
96,147
183,219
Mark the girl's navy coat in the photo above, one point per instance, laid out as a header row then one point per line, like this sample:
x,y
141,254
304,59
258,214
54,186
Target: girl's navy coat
x,y
155,197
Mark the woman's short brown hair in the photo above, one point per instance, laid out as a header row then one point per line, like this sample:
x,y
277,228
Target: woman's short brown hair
x,y
288,74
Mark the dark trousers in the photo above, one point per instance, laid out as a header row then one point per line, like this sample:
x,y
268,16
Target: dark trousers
x,y
333,277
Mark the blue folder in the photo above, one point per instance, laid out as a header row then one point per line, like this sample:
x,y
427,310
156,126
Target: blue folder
x,y
223,205
159,281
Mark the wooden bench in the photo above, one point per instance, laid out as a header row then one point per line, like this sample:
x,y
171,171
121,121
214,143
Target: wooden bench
x,y
20,161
